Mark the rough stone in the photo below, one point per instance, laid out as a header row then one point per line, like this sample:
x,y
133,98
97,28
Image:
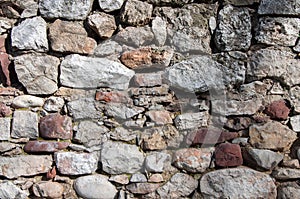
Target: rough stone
x,y
138,177
70,37
30,8
110,5
71,10
281,173
153,140
272,135
234,29
278,31
72,163
4,110
187,121
5,128
4,63
289,7
147,79
38,73
95,186
108,48
288,190
48,189
159,29
9,190
159,117
119,158
241,3
25,125
238,123
171,2
100,72
223,183
103,24
55,126
291,163
261,159
44,146
295,98
24,165
53,104
31,34
295,123
122,134
6,24
278,110
157,162
122,111
7,146
120,179
142,187
113,97
83,108
136,13
179,186
193,160
156,178
26,101
228,155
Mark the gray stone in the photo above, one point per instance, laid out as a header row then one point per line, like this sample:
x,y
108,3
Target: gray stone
x,y
138,177
142,187
7,146
9,190
284,66
29,7
107,48
38,73
4,128
72,163
67,9
95,186
46,189
120,179
159,29
25,165
288,190
295,123
187,121
26,101
294,94
123,134
241,3
281,173
110,5
179,186
103,24
237,183
148,79
119,158
25,125
278,31
170,2
101,73
91,134
234,29
157,161
122,111
31,34
273,7
53,104
83,108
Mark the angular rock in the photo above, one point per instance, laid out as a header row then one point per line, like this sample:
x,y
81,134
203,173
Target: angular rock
x,y
44,146
171,2
136,13
156,178
56,126
108,48
103,24
86,72
120,179
295,123
241,3
191,120
5,128
83,108
4,63
154,91
122,111
72,163
47,189
7,146
30,8
238,123
25,125
179,186
234,29
278,110
288,7
281,173
138,177
24,165
54,104
292,163
4,110
278,31
26,101
113,97
142,187
9,190
122,134
118,158
223,183
288,190
295,98
153,140
159,117
95,186
110,5
272,135
6,24
38,73
193,160
147,79
67,9
228,155
159,29
157,162
31,34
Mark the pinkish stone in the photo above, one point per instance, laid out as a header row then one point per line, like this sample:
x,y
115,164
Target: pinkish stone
x,y
160,117
44,146
278,110
4,110
142,187
228,155
113,96
4,62
56,126
2,44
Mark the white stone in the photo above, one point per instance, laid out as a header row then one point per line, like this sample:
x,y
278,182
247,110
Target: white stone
x,y
295,123
159,29
25,124
191,120
54,104
110,5
9,190
26,101
4,128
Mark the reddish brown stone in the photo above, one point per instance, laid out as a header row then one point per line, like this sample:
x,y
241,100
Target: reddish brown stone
x,y
2,44
4,110
51,173
4,62
9,91
44,146
142,187
278,110
160,117
209,136
228,155
113,96
56,126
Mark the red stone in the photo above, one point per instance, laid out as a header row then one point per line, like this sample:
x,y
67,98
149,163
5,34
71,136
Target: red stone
x,y
228,155
4,62
209,136
113,96
56,126
44,146
2,44
51,173
278,110
4,110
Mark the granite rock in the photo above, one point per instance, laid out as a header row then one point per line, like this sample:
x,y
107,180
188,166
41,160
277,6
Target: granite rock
x,y
289,7
25,125
288,190
159,29
191,120
53,104
10,190
295,123
142,187
83,108
157,161
110,5
159,117
281,173
103,24
5,128
48,189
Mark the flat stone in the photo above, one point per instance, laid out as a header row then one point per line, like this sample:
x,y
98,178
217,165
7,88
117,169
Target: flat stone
x,y
4,63
26,101
147,79
30,34
193,160
47,189
154,91
5,110
100,72
5,128
171,2
44,146
113,97
108,48
159,117
295,123
83,108
261,159
122,111
179,186
7,146
288,190
272,135
120,179
25,125
122,134
228,155
223,183
278,110
159,29
72,163
289,7
118,158
10,190
292,163
38,73
278,31
156,178
138,177
142,187
103,24
71,10
25,165
53,104
95,186
56,126
233,29
281,173
136,13
187,121
110,5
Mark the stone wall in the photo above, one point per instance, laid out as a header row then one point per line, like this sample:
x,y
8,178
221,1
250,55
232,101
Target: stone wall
x,y
149,99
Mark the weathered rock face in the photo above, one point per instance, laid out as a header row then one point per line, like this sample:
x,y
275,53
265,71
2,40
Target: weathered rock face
x,y
25,125
48,189
9,190
44,146
278,110
228,155
103,24
285,173
212,184
5,128
142,187
110,5
289,7
26,101
288,190
83,108
157,161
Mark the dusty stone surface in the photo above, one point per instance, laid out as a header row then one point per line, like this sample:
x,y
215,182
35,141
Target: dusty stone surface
x,y
142,187
191,120
25,125
48,189
278,110
5,110
138,177
103,24
241,3
9,190
159,29
110,5
289,7
288,190
157,161
159,117
228,155
281,173
44,146
53,104
5,128
135,36
147,79
83,108
26,101
295,123
294,94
